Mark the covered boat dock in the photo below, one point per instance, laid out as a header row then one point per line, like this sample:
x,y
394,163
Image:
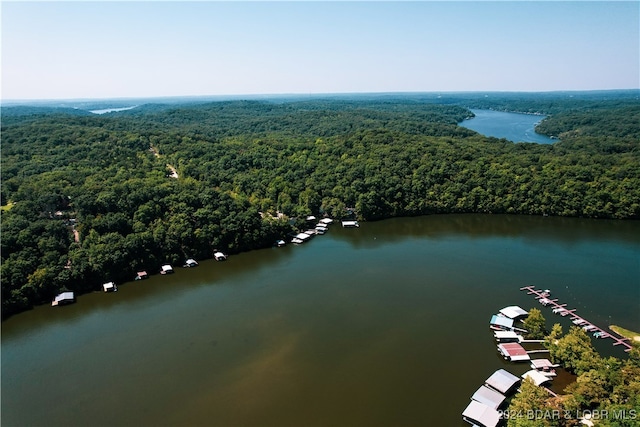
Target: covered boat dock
x,y
502,381
488,397
514,352
479,414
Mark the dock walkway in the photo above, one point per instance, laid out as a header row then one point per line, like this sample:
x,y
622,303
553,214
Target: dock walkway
x,y
543,297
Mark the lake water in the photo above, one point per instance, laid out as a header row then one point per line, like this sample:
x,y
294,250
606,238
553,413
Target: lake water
x,y
111,110
515,127
382,325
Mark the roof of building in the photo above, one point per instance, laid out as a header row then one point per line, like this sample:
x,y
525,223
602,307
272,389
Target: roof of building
x,y
537,377
488,397
514,311
514,351
65,296
108,285
502,381
142,273
481,414
542,364
167,267
326,220
506,335
302,236
501,321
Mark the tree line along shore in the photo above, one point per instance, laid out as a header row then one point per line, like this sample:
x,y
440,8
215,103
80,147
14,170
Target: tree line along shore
x,y
88,199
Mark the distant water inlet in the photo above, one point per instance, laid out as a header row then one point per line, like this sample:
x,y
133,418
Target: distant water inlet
x,y
111,110
516,127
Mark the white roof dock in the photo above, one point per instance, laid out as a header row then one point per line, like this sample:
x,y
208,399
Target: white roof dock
x,y
63,298
109,286
480,414
501,322
303,236
502,381
506,336
350,224
514,311
537,377
488,397
326,221
167,268
219,256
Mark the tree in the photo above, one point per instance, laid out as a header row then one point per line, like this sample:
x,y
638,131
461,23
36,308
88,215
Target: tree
x,y
535,323
530,407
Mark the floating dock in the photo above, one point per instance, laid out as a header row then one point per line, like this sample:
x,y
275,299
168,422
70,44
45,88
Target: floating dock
x,y
543,298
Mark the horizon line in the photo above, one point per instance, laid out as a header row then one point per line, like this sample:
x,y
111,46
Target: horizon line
x,y
310,94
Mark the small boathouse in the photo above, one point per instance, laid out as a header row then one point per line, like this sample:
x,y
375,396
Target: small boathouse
x,y
63,299
479,414
513,352
514,312
141,275
502,381
350,224
501,322
537,377
488,397
109,287
506,336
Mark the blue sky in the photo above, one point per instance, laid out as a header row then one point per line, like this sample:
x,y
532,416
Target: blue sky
x,y
66,50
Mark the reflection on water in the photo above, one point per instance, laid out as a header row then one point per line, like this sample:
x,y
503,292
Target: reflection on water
x,y
381,325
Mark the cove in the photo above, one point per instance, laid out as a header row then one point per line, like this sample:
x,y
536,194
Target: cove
x,y
386,324
515,127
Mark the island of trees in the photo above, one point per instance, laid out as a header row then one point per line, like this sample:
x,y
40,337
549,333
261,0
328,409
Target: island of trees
x,y
88,199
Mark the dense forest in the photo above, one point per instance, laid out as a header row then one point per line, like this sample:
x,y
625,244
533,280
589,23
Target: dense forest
x,y
608,388
92,198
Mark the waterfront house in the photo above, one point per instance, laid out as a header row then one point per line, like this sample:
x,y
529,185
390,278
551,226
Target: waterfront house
x,y
63,299
502,381
166,269
109,287
479,414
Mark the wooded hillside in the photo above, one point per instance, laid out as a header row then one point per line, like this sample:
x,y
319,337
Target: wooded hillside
x,y
107,178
